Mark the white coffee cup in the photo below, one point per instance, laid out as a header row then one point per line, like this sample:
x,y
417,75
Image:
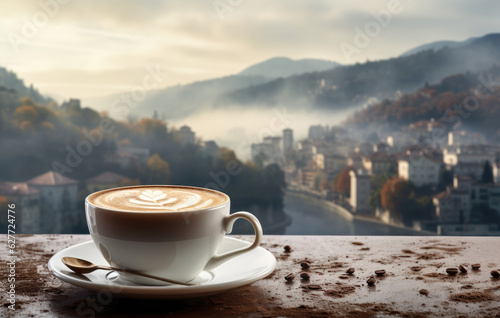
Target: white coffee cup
x,y
174,245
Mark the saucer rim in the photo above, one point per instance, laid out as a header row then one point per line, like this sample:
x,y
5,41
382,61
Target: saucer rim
x,y
167,291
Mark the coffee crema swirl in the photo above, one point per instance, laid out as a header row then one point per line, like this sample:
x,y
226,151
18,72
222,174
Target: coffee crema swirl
x,y
157,199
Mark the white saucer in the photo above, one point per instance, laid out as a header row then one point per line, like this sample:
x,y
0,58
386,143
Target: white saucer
x,y
238,271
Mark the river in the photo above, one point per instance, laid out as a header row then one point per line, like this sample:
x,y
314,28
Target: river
x,y
311,216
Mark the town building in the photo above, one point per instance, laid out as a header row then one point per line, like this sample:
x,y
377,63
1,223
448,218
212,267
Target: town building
x,y
419,169
27,206
496,172
276,142
398,140
58,198
364,148
343,147
463,137
429,132
316,132
453,206
360,191
307,176
319,161
462,182
469,169
355,160
379,163
452,155
287,140
269,150
186,135
334,163
380,147
486,195
307,149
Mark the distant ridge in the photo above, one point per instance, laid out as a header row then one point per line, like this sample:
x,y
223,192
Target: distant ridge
x,y
9,79
437,46
354,85
285,67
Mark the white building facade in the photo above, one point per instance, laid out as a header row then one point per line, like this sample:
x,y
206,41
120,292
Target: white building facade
x,y
420,170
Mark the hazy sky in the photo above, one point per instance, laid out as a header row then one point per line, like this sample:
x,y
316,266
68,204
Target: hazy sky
x,y
94,48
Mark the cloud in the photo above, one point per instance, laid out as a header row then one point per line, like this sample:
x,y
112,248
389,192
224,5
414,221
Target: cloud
x,y
108,43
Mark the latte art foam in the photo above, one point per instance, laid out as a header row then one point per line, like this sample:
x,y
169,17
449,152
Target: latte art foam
x,y
150,199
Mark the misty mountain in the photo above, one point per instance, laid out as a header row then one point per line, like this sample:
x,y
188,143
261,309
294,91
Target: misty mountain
x,y
10,80
182,100
437,46
354,85
285,67
454,101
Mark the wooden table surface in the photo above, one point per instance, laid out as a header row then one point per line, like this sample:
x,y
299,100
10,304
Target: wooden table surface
x,y
412,264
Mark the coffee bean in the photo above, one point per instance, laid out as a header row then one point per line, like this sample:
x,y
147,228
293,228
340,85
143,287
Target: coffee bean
x,y
495,273
463,268
380,272
314,286
287,248
304,265
350,271
452,271
424,292
289,277
371,281
475,266
305,276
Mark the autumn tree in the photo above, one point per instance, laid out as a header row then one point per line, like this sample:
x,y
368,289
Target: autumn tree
x,y
158,170
26,113
47,127
395,197
226,154
378,182
343,184
152,128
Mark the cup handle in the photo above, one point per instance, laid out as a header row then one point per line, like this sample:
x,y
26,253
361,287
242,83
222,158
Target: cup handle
x,y
228,227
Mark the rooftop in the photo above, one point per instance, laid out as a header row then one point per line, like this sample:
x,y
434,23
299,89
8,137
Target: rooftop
x,y
51,178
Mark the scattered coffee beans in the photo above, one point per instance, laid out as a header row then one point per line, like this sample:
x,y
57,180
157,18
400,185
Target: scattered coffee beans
x,y
304,265
452,271
287,248
314,286
495,273
371,281
350,271
463,269
380,272
305,276
289,277
475,266
424,292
